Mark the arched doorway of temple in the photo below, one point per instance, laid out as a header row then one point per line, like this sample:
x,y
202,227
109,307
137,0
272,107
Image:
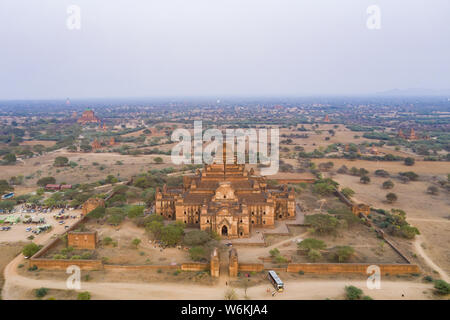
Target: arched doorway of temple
x,y
225,231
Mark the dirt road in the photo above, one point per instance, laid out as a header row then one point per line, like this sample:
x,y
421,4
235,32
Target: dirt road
x,y
418,246
298,289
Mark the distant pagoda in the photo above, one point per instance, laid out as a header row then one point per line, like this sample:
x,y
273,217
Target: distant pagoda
x,y
96,145
88,116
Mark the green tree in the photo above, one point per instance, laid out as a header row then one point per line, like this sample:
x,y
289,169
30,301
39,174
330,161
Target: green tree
x,y
84,296
135,211
196,238
391,197
322,223
274,252
30,249
5,187
41,292
347,192
364,179
314,255
197,253
9,158
353,293
433,190
136,242
46,180
344,253
172,233
441,287
388,184
311,243
61,162
158,160
409,161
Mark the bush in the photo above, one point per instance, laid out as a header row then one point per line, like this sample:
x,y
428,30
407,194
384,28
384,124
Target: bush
x,y
107,241
391,197
343,253
30,249
409,161
172,233
41,292
274,252
441,287
314,255
388,184
46,180
135,211
311,243
197,253
353,293
322,223
381,173
61,162
410,175
136,242
84,296
433,190
364,179
196,237
347,192
230,294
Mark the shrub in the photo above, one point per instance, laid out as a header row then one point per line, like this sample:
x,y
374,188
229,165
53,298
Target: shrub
x,y
391,197
364,179
409,161
41,292
441,287
274,252
196,237
135,211
136,242
322,223
84,296
388,184
343,253
30,249
107,241
97,213
347,192
314,255
61,162
230,294
433,190
381,173
197,253
311,243
410,175
353,293
46,180
172,233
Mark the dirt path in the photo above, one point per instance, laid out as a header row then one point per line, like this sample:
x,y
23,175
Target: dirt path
x,y
296,289
429,220
420,251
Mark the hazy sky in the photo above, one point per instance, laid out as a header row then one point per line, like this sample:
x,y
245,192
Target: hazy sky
x,y
144,48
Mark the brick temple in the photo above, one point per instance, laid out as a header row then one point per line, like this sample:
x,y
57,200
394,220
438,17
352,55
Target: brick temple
x,y
227,199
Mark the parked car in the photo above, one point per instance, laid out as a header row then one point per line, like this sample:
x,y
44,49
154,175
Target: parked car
x,y
28,229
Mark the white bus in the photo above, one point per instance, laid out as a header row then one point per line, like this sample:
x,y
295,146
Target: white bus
x,y
276,281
